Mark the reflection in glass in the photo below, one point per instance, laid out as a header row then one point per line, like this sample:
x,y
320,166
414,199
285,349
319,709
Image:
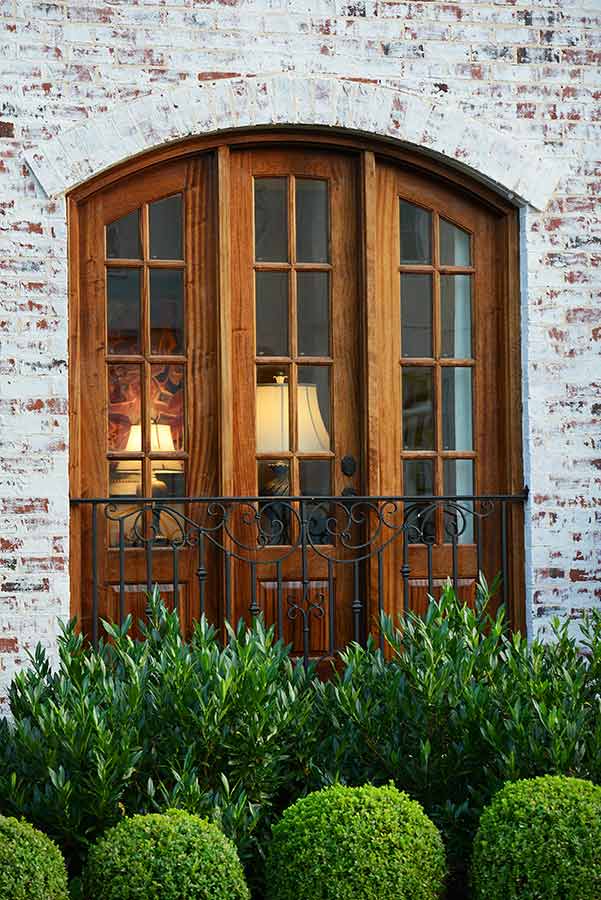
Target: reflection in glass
x,y
418,477
125,480
315,481
456,315
313,407
315,477
168,480
271,219
313,313
123,237
123,310
167,407
166,227
454,245
416,235
418,481
416,315
272,422
456,408
167,311
272,313
459,481
418,408
125,393
274,481
312,225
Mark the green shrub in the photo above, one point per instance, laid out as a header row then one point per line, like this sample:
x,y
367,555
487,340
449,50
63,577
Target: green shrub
x,y
236,733
540,839
461,707
173,856
141,726
363,843
31,865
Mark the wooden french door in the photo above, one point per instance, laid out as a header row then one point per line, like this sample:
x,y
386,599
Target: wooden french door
x,y
297,383
146,416
280,320
438,327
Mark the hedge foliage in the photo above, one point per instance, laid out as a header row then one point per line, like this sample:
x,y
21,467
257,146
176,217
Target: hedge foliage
x,y
236,733
540,839
169,856
31,865
362,843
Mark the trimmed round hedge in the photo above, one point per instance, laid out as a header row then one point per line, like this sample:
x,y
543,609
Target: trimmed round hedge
x,y
31,865
540,838
364,843
165,856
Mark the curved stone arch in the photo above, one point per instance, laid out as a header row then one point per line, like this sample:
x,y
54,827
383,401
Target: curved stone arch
x,y
512,167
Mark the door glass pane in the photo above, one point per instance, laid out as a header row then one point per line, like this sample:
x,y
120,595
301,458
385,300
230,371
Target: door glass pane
x,y
315,477
123,310
166,408
418,408
420,519
313,313
273,478
272,313
456,408
315,481
123,237
313,408
312,225
454,245
167,311
418,477
416,315
166,227
271,219
168,478
125,393
416,235
272,414
459,481
125,479
456,315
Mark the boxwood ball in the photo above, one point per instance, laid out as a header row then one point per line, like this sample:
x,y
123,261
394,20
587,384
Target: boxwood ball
x,y
540,839
355,843
169,856
31,865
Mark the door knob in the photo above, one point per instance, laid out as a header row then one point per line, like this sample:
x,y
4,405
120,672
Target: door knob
x,y
348,464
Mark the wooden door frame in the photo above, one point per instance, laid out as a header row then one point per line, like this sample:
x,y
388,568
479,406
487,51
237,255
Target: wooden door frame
x,y
508,283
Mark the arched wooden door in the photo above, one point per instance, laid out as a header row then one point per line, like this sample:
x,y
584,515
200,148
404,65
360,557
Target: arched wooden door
x,y
268,324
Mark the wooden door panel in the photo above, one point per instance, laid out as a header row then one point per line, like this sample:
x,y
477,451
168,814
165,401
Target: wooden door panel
x,y
343,362
462,555
195,451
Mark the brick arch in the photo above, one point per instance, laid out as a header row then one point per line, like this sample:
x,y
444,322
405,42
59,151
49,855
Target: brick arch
x,y
438,127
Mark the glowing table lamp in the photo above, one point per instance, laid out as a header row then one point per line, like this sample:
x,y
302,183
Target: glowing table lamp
x,y
273,433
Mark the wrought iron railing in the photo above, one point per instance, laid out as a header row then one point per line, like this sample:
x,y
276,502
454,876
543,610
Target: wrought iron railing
x,y
339,559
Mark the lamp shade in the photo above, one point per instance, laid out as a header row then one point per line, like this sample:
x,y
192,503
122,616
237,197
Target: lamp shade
x,y
161,438
313,436
273,432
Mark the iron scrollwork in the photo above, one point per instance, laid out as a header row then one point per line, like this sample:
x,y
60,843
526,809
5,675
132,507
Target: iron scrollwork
x,y
283,534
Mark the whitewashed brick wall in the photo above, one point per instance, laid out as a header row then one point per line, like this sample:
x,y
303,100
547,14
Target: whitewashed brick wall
x,y
520,74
